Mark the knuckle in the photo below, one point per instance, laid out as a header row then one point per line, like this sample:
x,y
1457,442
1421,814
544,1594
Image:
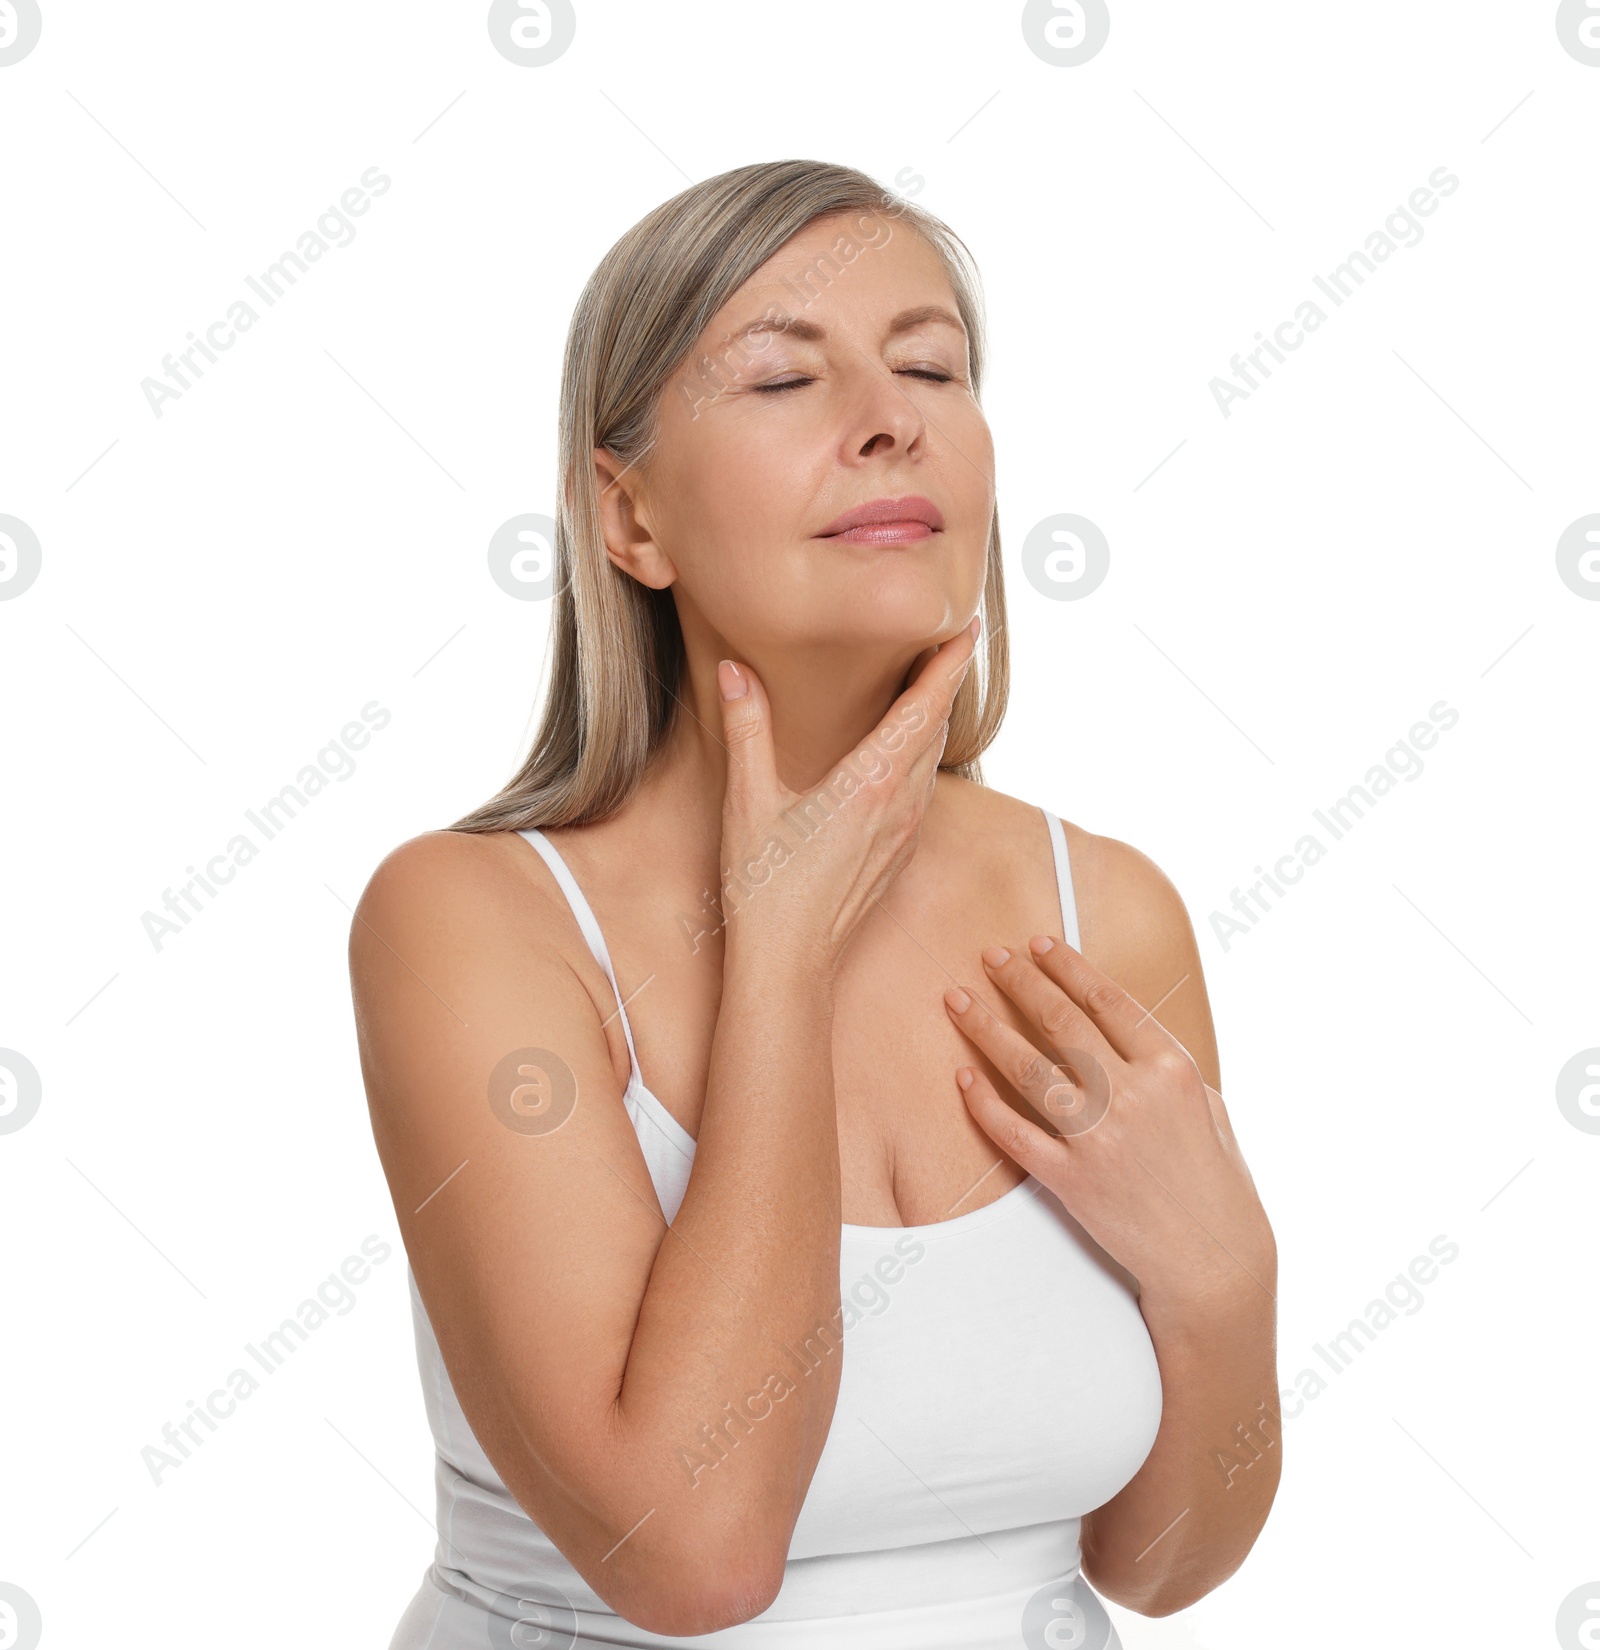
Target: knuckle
x,y
1058,1022
744,726
1012,1141
1103,995
1174,1068
1034,1072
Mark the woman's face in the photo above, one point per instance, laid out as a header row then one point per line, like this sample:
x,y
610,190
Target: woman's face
x,y
852,389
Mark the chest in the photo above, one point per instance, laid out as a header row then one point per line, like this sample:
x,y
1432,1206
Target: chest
x,y
910,1152
1005,1359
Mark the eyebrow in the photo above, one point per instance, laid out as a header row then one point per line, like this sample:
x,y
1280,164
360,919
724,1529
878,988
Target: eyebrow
x,y
798,327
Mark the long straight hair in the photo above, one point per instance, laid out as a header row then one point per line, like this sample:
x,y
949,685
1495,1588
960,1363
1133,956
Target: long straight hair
x,y
617,648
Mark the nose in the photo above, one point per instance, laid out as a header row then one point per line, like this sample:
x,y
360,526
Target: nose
x,y
883,418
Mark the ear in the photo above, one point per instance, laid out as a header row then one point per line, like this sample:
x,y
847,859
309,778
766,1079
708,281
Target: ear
x,y
624,524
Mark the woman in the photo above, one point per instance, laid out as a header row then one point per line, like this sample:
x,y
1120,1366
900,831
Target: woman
x,y
814,1239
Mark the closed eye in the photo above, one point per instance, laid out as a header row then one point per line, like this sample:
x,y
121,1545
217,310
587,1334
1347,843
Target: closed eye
x,y
931,375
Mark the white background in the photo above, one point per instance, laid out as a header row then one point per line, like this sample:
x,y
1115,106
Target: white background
x,y
1290,589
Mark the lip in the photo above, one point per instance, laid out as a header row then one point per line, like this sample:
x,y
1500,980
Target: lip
x,y
887,521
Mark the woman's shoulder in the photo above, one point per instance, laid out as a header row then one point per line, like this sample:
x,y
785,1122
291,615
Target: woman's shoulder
x,y
438,888
461,923
1131,918
1132,921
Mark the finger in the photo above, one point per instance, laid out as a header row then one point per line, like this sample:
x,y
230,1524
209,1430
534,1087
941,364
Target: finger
x,y
752,781
1047,1008
1072,1090
924,768
1129,1027
912,761
1040,1153
922,709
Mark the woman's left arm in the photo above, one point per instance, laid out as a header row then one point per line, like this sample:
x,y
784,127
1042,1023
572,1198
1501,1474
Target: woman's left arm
x,y
1141,1152
1185,1521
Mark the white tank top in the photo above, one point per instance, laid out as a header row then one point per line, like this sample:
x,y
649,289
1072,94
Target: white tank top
x,y
998,1382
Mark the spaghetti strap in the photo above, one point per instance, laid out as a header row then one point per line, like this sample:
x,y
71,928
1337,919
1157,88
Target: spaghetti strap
x,y
1069,903
589,926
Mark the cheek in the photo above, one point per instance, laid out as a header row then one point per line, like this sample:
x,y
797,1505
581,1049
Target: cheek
x,y
725,514
971,430
971,467
743,484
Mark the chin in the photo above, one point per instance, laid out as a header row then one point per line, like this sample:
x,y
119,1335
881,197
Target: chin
x,y
895,613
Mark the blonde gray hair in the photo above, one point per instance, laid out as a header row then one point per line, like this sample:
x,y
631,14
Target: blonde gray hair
x,y
616,646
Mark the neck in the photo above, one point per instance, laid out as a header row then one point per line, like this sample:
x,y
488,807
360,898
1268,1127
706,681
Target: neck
x,y
823,703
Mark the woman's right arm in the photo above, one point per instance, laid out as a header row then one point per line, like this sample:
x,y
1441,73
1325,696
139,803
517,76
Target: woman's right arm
x,y
597,1352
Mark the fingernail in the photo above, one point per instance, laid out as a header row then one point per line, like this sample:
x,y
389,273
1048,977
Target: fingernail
x,y
958,999
730,680
964,1077
1040,943
996,955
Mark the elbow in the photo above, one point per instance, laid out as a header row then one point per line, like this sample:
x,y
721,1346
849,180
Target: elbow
x,y
688,1567
689,1594
1170,1602
1152,1601
728,1602
1145,1592
1161,1594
